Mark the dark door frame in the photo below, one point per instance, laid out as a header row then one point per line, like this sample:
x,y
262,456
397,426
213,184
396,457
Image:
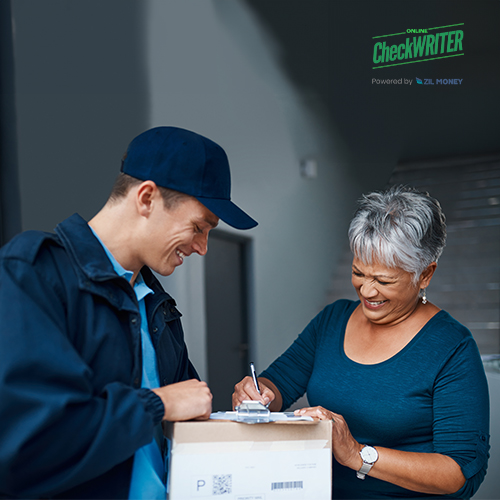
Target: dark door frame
x,y
10,204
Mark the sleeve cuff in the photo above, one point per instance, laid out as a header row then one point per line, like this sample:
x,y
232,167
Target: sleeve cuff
x,y
482,447
153,404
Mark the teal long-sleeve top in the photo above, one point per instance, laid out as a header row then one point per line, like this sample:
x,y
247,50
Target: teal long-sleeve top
x,y
431,397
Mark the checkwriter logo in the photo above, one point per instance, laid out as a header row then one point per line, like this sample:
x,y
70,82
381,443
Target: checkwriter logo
x,y
426,46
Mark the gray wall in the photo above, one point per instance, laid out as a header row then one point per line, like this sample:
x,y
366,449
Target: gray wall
x,y
81,96
214,70
90,75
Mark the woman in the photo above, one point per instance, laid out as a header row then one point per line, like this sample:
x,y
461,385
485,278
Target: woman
x,y
401,379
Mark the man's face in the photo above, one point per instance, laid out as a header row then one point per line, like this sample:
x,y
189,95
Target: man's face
x,y
176,233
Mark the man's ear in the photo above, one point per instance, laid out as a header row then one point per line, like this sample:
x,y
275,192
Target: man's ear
x,y
426,276
145,197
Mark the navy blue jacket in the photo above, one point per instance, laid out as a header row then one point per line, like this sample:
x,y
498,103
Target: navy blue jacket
x,y
72,412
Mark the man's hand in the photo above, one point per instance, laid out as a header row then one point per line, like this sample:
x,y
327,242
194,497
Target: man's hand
x,y
186,400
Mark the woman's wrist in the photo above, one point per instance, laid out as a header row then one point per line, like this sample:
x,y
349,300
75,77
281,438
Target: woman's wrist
x,y
356,462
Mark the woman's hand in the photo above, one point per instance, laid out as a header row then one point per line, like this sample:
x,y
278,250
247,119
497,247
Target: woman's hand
x,y
430,473
246,391
345,448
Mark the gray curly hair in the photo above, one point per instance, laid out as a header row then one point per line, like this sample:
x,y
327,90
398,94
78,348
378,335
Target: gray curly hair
x,y
400,227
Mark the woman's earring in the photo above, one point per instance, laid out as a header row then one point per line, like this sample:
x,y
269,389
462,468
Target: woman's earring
x,y
424,296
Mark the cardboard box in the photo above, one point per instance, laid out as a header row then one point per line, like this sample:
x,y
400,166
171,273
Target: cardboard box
x,y
224,459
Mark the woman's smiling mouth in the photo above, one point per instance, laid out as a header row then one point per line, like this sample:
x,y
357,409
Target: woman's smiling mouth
x,y
374,304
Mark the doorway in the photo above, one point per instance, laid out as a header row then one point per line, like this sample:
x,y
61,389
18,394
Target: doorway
x,y
226,292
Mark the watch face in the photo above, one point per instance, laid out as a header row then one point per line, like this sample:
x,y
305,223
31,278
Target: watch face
x,y
369,454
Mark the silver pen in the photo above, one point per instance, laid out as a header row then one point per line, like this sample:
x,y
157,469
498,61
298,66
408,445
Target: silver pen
x,y
254,376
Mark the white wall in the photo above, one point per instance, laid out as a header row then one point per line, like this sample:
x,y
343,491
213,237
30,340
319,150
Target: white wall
x,y
490,489
213,70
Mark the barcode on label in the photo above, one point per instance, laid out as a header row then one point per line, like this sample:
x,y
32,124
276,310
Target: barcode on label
x,y
288,485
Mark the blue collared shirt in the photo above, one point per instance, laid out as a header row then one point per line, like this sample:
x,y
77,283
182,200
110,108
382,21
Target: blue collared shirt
x,y
148,471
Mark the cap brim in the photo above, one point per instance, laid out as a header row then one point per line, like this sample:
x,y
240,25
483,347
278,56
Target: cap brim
x,y
227,211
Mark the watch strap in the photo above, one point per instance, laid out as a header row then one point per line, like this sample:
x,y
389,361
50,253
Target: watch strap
x,y
365,469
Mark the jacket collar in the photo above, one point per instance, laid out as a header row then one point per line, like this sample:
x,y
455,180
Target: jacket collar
x,y
90,258
85,249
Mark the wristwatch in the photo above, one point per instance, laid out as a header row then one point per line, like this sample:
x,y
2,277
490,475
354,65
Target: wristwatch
x,y
369,455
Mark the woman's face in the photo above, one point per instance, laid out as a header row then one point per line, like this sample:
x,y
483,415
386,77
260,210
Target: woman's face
x,y
387,294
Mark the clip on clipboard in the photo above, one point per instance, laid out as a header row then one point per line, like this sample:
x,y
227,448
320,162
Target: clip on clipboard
x,y
252,412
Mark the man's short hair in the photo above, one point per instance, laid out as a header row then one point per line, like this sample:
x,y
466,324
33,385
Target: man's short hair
x,y
124,183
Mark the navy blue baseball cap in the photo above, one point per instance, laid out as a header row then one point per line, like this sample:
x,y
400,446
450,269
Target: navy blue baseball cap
x,y
184,161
